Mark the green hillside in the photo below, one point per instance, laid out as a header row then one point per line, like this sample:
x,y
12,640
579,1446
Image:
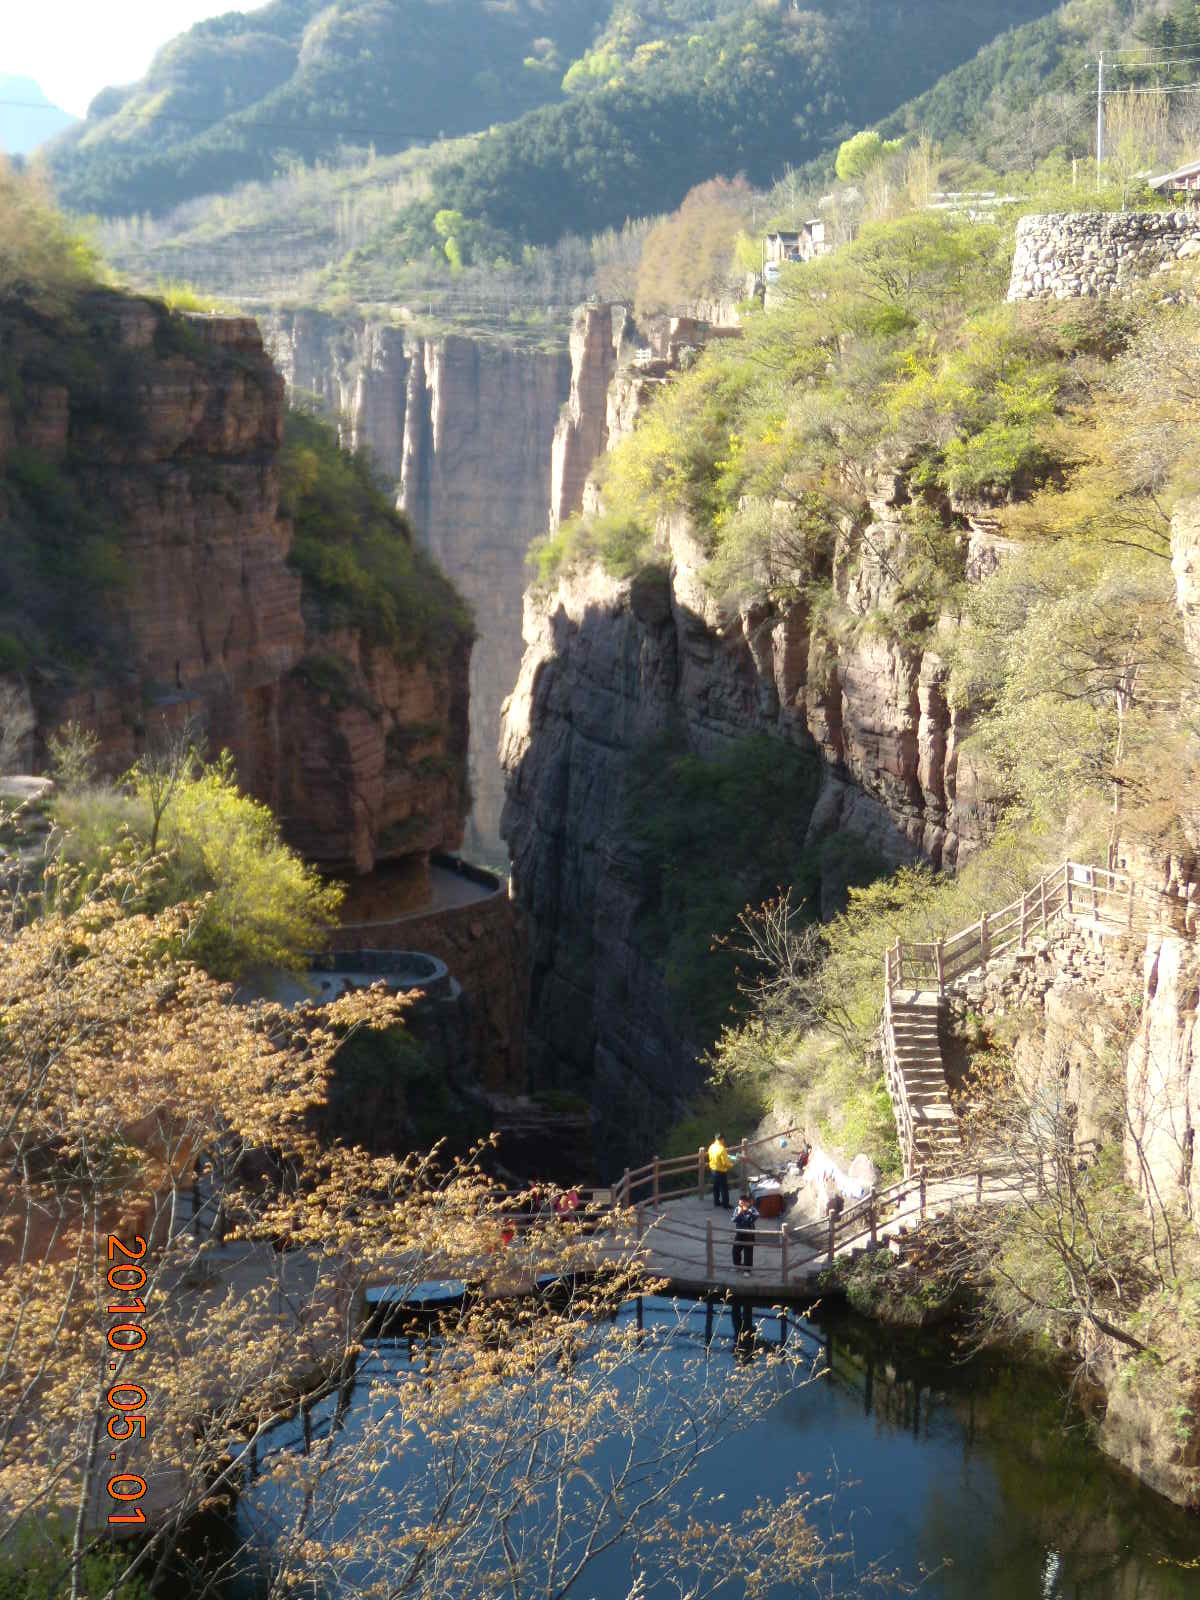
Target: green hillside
x,y
241,96
752,92
1032,90
595,115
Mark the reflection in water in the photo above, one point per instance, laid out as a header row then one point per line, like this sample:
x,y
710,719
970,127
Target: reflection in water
x,y
968,1471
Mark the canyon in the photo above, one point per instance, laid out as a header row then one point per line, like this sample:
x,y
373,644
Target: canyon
x,y
461,431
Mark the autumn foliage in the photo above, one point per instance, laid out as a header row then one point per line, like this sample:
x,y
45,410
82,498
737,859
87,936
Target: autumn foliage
x,y
689,255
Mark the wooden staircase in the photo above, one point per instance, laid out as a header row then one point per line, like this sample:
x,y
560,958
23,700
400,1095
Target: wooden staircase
x,y
916,977
914,1020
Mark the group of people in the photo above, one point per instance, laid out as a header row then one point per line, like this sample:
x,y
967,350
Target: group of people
x,y
745,1217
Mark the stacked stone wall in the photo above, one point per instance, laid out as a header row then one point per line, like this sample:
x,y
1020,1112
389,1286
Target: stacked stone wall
x,y
1082,255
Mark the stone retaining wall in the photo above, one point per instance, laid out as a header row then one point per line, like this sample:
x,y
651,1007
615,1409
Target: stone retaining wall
x,y
1086,254
484,944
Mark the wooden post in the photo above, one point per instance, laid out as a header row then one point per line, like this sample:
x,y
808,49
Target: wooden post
x,y
623,1189
984,941
873,1217
941,968
832,1232
1042,892
1092,879
887,971
1024,897
1068,875
922,1194
700,1173
655,1192
978,1185
783,1252
710,1266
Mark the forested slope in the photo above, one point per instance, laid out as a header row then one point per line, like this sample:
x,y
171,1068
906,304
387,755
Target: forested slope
x,y
663,97
1032,90
240,96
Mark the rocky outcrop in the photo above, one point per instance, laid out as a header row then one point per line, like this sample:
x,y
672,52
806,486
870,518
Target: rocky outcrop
x,y
1163,1076
582,432
1085,254
168,430
462,432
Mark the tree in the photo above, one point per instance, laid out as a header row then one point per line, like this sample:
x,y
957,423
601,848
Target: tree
x,y
72,749
256,904
1078,1253
169,762
690,255
540,1435
42,260
859,154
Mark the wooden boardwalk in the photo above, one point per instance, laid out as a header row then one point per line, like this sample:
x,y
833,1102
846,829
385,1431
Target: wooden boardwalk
x,y
689,1244
917,976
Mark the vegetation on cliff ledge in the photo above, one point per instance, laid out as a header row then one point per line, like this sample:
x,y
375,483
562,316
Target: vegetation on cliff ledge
x,y
889,403
360,562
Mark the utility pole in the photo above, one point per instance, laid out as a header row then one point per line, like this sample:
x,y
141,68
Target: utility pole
x,y
1099,117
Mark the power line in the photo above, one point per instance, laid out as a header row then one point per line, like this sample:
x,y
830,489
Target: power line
x,y
1166,88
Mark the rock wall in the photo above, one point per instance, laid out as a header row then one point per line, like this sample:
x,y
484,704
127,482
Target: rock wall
x,y
171,427
1074,998
610,664
462,430
582,432
1163,1075
1086,254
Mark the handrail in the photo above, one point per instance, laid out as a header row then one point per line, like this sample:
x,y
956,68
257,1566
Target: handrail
x,y
1072,889
655,1172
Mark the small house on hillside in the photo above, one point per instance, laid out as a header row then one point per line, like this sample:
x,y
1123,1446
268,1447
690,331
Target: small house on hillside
x,y
806,244
1186,180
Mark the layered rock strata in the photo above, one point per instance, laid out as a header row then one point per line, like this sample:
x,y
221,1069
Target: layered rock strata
x,y
462,431
1085,254
169,430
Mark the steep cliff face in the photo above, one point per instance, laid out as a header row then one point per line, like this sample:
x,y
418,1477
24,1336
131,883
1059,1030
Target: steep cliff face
x,y
582,431
139,475
611,664
463,432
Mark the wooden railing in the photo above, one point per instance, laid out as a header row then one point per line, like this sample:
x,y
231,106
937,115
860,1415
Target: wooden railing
x,y
1114,899
662,1180
793,1253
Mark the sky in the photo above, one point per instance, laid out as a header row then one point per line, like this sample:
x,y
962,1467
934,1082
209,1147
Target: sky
x,y
75,48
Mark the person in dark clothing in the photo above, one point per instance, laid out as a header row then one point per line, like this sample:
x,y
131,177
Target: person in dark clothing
x,y
744,1219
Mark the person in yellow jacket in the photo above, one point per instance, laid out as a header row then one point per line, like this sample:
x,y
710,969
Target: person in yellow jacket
x,y
720,1165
